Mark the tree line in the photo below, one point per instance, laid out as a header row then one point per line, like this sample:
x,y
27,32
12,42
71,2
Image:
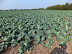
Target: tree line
x,y
67,6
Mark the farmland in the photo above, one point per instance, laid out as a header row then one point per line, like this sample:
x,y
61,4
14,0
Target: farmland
x,y
30,27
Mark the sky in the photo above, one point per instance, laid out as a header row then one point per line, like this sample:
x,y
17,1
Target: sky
x,y
30,4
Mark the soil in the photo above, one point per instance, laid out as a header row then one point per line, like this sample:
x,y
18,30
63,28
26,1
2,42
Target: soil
x,y
39,49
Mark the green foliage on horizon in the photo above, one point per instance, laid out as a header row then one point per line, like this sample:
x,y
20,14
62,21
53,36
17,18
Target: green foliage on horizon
x,y
67,6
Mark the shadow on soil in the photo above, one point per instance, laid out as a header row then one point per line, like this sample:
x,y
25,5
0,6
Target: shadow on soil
x,y
59,50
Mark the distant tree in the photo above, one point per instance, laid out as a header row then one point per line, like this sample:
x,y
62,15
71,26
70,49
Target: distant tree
x,y
40,8
71,6
67,6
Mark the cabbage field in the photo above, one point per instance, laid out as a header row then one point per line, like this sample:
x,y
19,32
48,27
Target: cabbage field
x,y
29,27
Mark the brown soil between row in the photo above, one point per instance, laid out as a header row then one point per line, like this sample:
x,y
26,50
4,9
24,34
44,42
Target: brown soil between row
x,y
38,49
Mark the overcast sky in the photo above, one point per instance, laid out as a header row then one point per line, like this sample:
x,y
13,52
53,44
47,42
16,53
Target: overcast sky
x,y
30,4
